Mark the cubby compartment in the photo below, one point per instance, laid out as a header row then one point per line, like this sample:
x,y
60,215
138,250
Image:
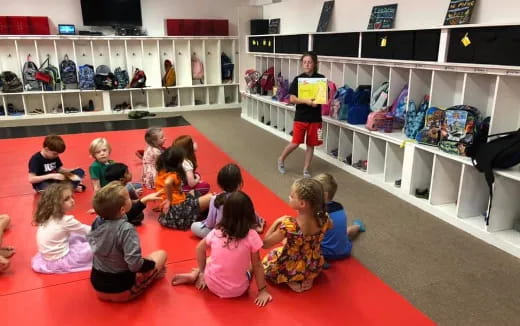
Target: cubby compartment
x,y
151,63
134,55
393,163
399,77
117,55
289,120
186,97
325,68
346,138
336,73
421,175
376,156
52,103
9,61
446,89
281,119
212,62
262,116
273,112
183,62
506,113
505,210
14,105
118,100
277,69
360,150
155,98
294,68
97,100
445,183
379,76
171,96
332,140
230,94
214,95
138,99
420,85
34,103
364,75
200,95
473,199
167,52
46,49
350,74
284,69
84,56
101,53
479,91
197,50
71,102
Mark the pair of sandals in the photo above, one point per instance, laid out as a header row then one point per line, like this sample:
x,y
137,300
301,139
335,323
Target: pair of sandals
x,y
122,107
71,110
11,110
36,111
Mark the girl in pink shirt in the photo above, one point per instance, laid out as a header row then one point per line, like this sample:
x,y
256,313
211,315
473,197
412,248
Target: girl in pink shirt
x,y
235,248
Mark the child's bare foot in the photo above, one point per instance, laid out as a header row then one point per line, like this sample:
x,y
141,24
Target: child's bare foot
x,y
6,252
4,222
4,264
185,278
296,286
307,285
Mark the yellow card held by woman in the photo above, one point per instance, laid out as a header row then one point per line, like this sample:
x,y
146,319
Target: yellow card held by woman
x,y
313,89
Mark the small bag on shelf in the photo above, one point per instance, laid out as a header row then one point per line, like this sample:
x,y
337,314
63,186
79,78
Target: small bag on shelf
x,y
10,82
459,128
326,108
29,74
68,73
431,133
139,79
252,78
227,67
197,68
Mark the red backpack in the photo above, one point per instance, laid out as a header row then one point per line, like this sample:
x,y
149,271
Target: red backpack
x,y
139,79
267,80
325,108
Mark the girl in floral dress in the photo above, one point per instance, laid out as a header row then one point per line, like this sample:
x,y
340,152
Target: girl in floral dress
x,y
154,138
299,261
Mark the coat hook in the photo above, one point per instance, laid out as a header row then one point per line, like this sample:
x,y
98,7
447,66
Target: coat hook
x,y
165,54
133,54
149,53
101,54
9,55
180,53
209,53
83,55
117,54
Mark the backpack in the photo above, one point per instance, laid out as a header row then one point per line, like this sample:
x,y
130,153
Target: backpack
x,y
325,108
282,93
431,133
502,152
86,77
29,76
170,78
68,74
414,118
53,82
10,82
139,79
105,82
267,81
358,103
121,77
197,68
252,78
459,128
379,98
398,108
376,120
339,107
227,67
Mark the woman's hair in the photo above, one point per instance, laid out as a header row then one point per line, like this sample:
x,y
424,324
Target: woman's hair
x,y
186,142
96,144
51,203
171,161
150,137
311,191
115,172
314,58
238,217
229,179
108,200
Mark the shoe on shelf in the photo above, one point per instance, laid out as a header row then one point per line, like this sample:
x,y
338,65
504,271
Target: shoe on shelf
x,y
334,152
397,183
361,164
424,193
281,167
360,224
2,110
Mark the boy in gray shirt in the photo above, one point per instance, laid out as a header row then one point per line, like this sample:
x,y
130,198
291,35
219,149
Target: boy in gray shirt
x,y
119,271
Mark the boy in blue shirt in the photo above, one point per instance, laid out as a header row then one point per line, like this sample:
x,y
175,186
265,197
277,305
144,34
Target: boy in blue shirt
x,y
337,241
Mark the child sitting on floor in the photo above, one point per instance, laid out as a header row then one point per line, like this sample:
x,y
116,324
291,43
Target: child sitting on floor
x,y
5,251
299,261
45,166
193,178
119,272
61,239
179,209
119,172
100,151
154,138
229,179
337,241
234,248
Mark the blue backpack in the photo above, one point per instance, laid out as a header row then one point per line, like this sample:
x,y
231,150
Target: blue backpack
x,y
227,67
87,77
399,106
358,103
414,118
431,133
459,129
282,93
339,107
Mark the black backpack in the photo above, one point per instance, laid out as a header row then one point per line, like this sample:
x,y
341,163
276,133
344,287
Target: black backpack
x,y
10,82
502,152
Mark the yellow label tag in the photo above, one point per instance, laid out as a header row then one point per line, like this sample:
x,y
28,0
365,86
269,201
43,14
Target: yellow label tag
x,y
264,42
465,40
253,42
383,42
269,43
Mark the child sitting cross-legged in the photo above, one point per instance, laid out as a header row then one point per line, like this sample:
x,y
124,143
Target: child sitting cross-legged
x,y
119,271
235,249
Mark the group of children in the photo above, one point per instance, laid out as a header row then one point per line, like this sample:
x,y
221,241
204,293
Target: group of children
x,y
226,222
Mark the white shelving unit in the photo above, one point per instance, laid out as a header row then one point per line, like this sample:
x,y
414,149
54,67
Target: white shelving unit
x,y
457,192
129,53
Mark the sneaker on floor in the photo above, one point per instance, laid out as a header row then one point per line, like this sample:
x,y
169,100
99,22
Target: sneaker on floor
x,y
306,174
281,167
360,224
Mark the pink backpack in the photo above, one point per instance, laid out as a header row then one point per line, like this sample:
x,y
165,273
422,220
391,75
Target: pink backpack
x,y
376,120
197,68
325,108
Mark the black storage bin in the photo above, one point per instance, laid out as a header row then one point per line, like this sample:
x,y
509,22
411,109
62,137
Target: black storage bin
x,y
261,44
371,46
487,45
426,45
509,43
457,52
259,26
337,45
294,44
401,45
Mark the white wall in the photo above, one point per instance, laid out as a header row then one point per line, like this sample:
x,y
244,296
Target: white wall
x,y
153,11
302,16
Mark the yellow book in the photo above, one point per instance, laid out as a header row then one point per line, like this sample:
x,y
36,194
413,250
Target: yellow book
x,y
313,89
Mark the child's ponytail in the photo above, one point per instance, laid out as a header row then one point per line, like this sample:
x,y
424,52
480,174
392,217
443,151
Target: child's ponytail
x,y
229,179
311,191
